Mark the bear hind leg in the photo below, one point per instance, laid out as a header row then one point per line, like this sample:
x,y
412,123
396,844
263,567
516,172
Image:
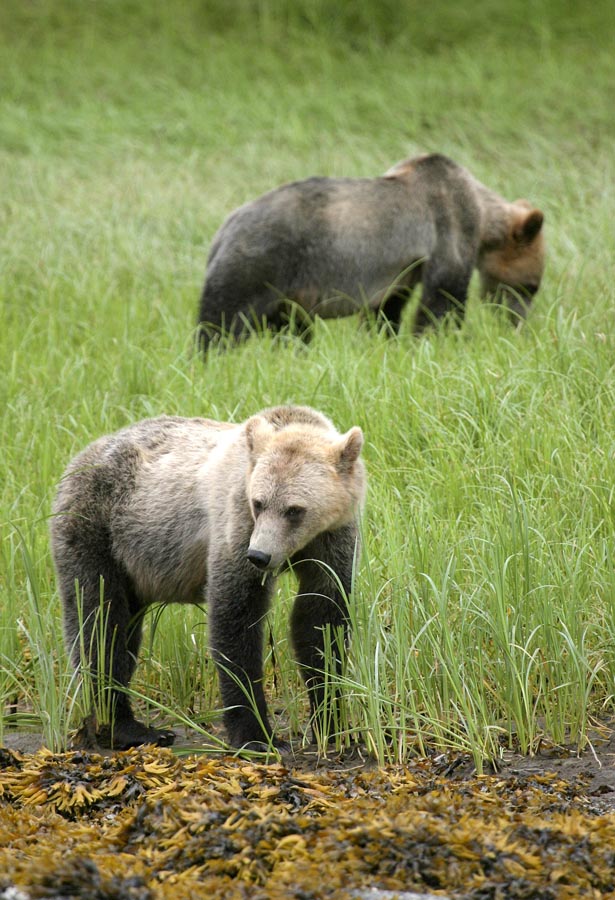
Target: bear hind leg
x,y
104,638
124,729
225,320
291,318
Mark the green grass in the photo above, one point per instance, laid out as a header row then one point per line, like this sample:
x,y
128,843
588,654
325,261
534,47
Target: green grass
x,y
485,600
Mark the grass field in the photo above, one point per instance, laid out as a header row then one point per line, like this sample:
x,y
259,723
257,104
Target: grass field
x,y
484,608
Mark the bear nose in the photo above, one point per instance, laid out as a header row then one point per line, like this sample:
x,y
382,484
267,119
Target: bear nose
x,y
259,559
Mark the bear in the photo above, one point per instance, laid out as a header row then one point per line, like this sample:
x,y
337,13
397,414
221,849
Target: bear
x,y
179,510
330,247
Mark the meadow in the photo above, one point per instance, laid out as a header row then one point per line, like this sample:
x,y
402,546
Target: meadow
x,y
484,603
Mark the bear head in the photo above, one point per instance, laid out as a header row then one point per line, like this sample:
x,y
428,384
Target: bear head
x,y
513,262
303,480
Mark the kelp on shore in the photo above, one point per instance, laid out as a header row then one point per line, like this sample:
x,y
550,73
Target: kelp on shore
x,y
147,824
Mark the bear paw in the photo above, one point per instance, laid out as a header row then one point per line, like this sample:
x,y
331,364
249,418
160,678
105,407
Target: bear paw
x,y
123,735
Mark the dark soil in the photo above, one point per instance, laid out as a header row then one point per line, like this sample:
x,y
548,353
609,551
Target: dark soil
x,y
595,766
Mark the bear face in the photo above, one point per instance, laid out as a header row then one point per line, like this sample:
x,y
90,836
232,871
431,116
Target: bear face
x,y
302,482
515,264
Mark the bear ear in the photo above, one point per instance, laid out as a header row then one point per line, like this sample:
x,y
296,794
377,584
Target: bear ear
x,y
258,434
527,226
348,449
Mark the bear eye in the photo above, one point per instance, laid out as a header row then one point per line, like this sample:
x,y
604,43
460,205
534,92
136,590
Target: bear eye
x,y
294,513
257,507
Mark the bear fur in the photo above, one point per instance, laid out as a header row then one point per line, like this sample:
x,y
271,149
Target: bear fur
x,y
329,247
175,510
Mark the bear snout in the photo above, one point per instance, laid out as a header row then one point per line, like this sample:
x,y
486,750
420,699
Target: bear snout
x,y
258,558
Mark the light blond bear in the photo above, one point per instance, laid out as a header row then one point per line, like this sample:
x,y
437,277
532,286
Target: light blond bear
x,y
174,510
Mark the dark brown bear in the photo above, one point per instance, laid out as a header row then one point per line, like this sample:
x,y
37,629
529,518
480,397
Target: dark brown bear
x,y
331,246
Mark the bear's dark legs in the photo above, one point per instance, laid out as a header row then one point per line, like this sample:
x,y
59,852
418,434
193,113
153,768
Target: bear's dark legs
x,y
292,318
445,289
236,311
430,313
515,303
238,599
125,730
112,626
389,313
325,580
220,328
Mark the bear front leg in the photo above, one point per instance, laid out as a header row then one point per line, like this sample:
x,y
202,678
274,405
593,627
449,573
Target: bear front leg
x,y
325,581
238,599
445,289
390,311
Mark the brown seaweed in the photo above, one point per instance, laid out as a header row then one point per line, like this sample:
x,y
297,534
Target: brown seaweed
x,y
146,824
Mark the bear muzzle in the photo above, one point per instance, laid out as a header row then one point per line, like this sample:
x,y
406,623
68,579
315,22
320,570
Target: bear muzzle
x,y
258,558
